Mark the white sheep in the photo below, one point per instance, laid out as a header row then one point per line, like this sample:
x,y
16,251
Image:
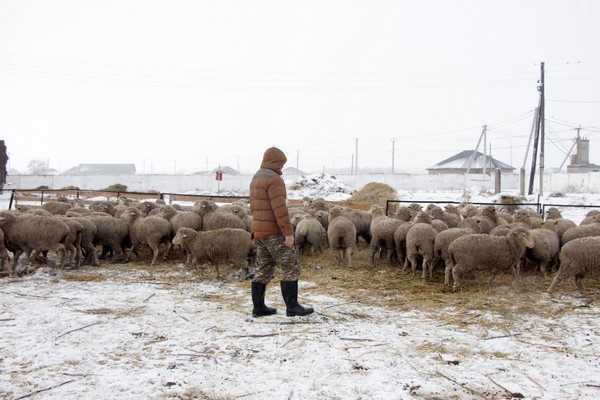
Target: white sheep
x,y
578,258
151,231
487,253
218,246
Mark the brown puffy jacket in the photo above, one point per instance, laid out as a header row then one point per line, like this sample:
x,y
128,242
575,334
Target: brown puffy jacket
x,y
268,197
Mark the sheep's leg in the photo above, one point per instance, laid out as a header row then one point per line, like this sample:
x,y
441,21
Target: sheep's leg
x,y
579,284
372,251
557,279
413,263
154,247
62,252
349,255
217,269
429,263
456,272
448,273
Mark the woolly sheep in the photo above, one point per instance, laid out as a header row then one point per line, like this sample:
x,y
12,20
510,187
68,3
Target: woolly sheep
x,y
4,257
485,252
25,233
591,229
87,237
323,217
58,208
578,258
400,241
362,221
436,212
151,231
382,237
420,241
220,245
211,219
308,235
589,217
544,251
443,240
103,206
341,235
73,242
111,233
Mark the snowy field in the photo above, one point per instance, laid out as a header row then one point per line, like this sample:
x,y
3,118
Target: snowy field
x,y
128,332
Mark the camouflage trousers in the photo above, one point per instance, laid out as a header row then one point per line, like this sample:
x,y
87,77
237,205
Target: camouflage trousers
x,y
271,252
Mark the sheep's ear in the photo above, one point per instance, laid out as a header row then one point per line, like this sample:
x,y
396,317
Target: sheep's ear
x,y
184,235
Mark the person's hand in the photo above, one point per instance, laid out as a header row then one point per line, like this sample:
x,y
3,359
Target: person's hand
x,y
289,241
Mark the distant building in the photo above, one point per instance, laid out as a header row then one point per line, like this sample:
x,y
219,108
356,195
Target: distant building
x,y
469,160
292,171
225,170
580,161
102,169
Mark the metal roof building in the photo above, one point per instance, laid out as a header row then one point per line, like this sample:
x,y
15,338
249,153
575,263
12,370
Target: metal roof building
x,y
469,160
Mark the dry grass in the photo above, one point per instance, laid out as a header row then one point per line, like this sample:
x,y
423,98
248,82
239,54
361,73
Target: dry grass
x,y
375,193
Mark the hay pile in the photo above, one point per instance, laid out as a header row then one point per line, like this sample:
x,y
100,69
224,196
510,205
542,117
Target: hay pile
x,y
375,193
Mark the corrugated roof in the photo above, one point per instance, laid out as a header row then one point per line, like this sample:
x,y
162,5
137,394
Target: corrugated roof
x,y
465,160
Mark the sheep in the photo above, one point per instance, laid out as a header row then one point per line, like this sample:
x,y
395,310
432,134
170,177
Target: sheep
x,y
73,242
25,233
545,249
240,211
420,241
578,258
111,233
216,220
443,240
103,206
485,252
591,229
4,257
556,223
403,213
589,217
529,217
308,234
220,245
322,217
87,236
436,212
58,208
341,235
151,230
362,221
382,234
400,241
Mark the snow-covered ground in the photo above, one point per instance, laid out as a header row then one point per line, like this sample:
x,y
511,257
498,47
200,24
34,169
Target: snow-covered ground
x,y
124,332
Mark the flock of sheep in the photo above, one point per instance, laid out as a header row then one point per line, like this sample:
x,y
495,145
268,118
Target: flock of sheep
x,y
461,239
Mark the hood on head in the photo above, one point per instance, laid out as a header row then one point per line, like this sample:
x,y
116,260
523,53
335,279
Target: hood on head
x,y
274,159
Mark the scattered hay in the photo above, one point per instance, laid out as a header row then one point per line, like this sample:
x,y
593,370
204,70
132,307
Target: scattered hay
x,y
376,193
116,187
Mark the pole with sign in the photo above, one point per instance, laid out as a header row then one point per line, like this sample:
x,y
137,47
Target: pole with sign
x,y
219,178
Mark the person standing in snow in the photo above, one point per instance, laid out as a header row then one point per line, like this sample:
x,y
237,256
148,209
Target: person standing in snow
x,y
274,237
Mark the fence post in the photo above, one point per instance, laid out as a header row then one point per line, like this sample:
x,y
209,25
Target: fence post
x,y
497,181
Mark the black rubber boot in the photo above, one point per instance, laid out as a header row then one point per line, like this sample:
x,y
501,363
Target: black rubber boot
x,y
289,291
258,300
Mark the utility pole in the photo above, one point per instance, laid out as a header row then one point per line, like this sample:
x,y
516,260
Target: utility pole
x,y
542,129
539,134
484,148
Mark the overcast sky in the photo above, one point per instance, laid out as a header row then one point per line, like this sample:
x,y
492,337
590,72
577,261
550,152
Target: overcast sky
x,y
182,86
